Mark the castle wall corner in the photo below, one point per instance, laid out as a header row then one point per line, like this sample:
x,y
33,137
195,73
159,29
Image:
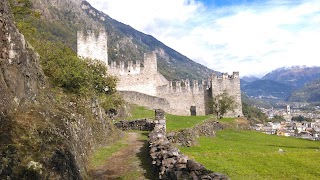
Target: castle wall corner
x,y
93,46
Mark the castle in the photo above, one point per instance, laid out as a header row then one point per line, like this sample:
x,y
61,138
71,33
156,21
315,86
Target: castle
x,y
145,86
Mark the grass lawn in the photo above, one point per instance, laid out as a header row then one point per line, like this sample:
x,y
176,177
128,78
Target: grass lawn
x,y
139,112
254,155
175,123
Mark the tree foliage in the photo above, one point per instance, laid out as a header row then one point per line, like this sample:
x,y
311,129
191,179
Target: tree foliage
x,y
253,114
223,103
59,61
278,118
301,118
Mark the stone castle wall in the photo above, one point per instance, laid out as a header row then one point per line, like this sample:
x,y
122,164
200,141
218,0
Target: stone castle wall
x,y
93,46
151,102
181,95
152,89
144,80
230,84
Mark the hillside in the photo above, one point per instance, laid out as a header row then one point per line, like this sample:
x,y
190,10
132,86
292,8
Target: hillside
x,y
295,76
64,18
309,93
51,118
301,81
267,89
249,78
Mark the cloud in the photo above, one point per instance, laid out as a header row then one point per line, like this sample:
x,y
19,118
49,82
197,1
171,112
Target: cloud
x,y
251,38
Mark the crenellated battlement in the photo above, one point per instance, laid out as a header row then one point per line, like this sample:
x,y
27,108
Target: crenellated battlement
x,y
235,75
185,86
148,66
120,68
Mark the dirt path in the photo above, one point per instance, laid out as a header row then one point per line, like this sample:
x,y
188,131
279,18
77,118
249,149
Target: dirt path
x,y
129,162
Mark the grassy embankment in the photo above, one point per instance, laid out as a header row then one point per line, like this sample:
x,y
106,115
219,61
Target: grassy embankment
x,y
254,155
174,122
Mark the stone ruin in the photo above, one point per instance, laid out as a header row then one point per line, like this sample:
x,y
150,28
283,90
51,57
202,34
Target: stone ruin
x,y
141,83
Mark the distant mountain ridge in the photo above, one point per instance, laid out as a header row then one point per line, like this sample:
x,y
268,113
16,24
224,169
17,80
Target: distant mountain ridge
x,y
250,78
267,89
295,84
296,76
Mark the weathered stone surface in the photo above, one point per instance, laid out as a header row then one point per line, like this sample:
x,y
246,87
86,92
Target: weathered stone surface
x,y
171,164
20,73
140,124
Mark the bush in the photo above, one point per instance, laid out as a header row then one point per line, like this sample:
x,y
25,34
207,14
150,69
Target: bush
x,y
59,61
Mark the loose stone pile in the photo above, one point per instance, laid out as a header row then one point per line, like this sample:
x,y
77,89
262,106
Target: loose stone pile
x,y
171,164
140,124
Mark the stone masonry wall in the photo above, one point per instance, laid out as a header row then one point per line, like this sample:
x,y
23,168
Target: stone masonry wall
x,y
230,84
93,46
170,163
139,124
151,102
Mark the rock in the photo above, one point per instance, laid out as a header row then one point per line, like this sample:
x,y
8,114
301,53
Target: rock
x,y
194,166
183,159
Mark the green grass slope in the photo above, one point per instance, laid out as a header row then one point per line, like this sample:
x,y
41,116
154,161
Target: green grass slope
x,y
254,155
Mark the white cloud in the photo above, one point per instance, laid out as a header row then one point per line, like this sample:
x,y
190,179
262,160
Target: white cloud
x,y
253,39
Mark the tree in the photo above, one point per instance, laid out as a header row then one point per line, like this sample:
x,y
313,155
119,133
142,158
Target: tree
x,y
278,118
223,103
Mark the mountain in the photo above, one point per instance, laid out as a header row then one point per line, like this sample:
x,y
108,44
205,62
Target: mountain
x,y
309,93
295,76
267,89
250,78
65,18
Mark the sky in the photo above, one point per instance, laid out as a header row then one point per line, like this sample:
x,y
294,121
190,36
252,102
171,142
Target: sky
x,y
253,37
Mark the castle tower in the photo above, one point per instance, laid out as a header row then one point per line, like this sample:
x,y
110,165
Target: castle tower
x,y
150,63
230,84
93,46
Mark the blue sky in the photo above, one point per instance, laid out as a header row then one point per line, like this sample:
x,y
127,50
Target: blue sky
x,y
250,36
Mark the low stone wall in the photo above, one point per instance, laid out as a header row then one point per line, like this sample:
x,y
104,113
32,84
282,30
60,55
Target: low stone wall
x,y
188,137
171,164
140,124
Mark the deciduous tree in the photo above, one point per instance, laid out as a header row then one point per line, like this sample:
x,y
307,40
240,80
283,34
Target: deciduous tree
x,y
223,103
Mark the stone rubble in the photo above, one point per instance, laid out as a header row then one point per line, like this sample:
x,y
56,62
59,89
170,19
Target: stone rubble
x,y
170,163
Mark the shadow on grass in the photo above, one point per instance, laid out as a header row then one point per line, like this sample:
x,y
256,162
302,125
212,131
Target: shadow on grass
x,y
145,159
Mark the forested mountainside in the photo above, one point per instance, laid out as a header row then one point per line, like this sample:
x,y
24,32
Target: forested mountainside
x,y
308,93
